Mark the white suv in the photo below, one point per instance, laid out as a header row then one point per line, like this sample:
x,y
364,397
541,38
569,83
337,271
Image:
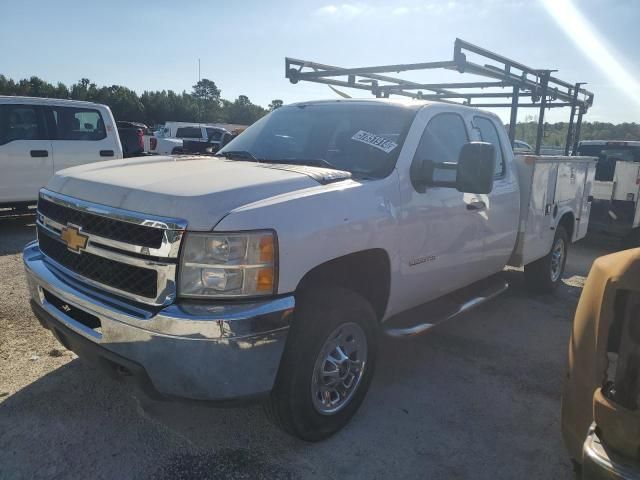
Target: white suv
x,y
39,136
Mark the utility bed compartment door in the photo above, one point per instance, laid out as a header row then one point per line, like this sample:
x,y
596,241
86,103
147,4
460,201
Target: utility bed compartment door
x,y
547,186
538,189
585,210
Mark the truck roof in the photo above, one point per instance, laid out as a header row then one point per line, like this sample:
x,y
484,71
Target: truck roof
x,y
621,143
47,101
400,102
412,104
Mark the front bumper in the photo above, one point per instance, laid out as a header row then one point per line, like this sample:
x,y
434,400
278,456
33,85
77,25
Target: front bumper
x,y
192,350
599,463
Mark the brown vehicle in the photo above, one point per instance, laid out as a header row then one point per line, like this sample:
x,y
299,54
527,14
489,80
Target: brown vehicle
x,y
601,400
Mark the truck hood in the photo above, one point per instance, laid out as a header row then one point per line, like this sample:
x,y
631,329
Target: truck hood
x,y
200,190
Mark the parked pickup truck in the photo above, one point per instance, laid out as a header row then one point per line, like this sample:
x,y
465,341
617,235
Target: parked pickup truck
x,y
616,190
133,137
269,271
218,137
160,144
39,136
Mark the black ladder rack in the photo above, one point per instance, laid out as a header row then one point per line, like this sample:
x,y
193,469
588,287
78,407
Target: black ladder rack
x,y
510,82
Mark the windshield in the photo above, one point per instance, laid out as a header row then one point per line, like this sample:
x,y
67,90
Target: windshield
x,y
362,139
608,155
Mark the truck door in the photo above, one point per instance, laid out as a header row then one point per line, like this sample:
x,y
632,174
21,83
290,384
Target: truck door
x,y
25,153
499,219
81,137
441,248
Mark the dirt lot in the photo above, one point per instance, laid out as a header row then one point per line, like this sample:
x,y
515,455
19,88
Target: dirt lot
x,y
478,398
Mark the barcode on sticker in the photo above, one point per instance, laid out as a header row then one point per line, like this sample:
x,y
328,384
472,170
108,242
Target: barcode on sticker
x,y
375,141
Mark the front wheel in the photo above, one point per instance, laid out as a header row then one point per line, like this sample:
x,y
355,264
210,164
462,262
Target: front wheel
x,y
545,275
327,365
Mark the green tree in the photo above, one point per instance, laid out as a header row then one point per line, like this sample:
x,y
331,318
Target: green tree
x,y
124,103
275,104
207,100
242,111
83,90
206,89
205,104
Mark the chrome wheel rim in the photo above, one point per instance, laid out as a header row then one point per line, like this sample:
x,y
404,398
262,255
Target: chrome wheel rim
x,y
557,259
339,368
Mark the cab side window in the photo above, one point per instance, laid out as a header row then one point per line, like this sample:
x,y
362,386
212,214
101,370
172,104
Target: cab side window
x,y
21,122
442,141
78,124
488,133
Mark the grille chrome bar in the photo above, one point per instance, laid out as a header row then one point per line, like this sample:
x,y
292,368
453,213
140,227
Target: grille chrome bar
x,y
162,261
167,250
148,220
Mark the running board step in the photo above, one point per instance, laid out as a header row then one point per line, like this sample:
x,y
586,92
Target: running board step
x,y
420,319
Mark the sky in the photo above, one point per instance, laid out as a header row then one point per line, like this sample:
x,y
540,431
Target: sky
x,y
241,45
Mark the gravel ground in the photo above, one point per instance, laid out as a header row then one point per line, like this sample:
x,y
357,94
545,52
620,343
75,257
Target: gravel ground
x,y
478,397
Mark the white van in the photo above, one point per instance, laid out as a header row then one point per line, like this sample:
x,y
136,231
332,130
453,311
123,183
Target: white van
x,y
39,136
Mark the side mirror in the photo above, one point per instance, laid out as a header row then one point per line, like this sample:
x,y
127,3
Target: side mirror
x,y
476,168
472,174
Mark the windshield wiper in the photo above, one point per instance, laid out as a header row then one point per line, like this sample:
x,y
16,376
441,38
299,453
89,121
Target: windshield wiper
x,y
238,154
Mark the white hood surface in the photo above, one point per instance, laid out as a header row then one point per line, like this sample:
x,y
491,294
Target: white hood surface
x,y
200,190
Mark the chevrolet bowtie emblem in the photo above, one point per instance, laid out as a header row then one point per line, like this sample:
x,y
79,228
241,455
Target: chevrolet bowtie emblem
x,y
75,240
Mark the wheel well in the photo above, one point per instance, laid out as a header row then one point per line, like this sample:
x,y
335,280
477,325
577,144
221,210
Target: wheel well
x,y
568,222
367,273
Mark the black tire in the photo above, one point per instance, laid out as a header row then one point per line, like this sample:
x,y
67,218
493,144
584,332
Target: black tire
x,y
319,314
538,275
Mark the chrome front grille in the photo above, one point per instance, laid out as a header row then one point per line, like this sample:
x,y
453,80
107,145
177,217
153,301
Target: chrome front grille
x,y
103,226
129,254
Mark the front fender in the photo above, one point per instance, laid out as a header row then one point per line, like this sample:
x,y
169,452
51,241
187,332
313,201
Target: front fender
x,y
321,223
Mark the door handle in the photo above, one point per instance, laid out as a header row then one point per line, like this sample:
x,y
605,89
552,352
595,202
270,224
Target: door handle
x,y
39,153
106,153
476,205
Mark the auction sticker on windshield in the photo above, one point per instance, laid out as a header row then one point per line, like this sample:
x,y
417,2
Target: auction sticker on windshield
x,y
375,141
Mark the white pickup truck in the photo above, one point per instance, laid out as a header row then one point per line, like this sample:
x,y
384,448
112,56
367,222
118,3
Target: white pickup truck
x,y
616,189
39,136
269,271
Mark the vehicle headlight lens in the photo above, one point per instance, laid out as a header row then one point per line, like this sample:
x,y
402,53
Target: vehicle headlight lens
x,y
228,265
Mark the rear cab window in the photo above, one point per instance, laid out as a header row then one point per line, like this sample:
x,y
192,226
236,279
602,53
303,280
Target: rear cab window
x,y
189,132
79,124
21,122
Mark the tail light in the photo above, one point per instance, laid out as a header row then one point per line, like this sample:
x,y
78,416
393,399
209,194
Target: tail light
x,y
140,139
153,143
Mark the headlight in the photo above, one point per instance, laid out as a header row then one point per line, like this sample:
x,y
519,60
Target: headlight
x,y
228,265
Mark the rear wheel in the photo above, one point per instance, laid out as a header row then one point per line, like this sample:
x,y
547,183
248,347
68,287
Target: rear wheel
x,y
327,365
545,275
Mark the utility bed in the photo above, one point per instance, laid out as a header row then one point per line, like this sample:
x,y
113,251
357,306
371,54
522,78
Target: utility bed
x,y
551,186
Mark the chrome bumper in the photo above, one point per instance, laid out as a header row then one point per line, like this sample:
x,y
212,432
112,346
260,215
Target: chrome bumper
x,y
598,463
199,351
